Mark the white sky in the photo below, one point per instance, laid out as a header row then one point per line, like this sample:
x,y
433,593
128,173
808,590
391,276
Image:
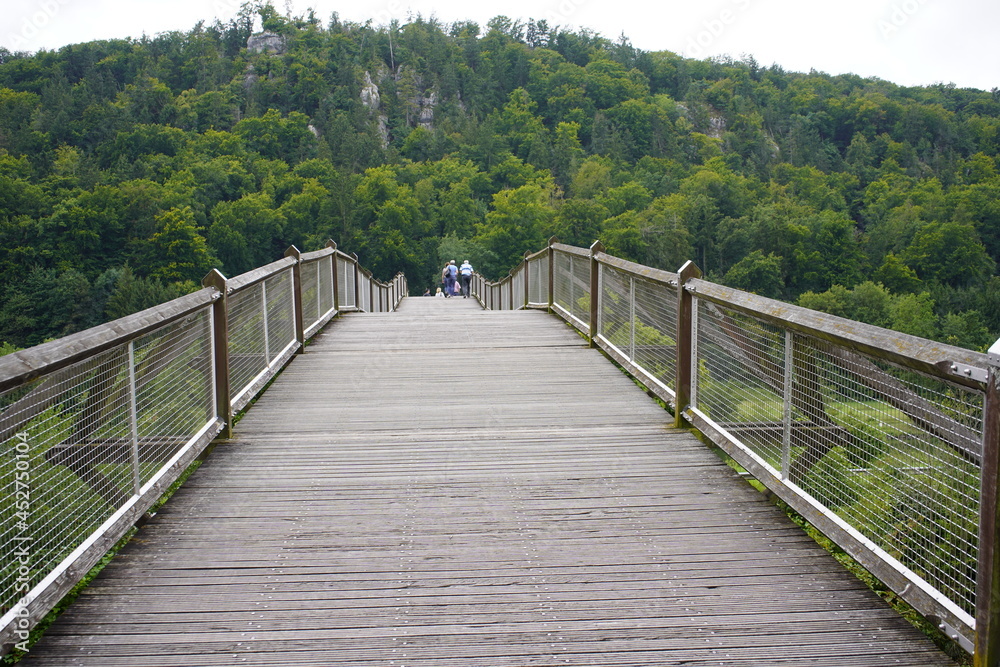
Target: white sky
x,y
909,42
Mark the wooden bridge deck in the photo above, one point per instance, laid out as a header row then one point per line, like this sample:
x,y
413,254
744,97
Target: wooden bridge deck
x,y
444,486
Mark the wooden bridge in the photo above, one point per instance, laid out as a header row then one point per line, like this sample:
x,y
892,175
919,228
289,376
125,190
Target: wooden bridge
x,y
446,485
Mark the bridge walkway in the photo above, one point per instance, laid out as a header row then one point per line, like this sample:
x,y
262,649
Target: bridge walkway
x,y
446,486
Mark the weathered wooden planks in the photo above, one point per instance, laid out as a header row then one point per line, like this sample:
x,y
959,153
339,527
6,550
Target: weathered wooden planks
x,y
445,487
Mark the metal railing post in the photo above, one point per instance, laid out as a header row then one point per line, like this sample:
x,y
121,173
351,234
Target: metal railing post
x,y
595,291
631,318
685,339
786,404
220,344
297,296
987,653
133,420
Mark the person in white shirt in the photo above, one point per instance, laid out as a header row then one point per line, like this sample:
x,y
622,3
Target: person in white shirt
x,y
466,272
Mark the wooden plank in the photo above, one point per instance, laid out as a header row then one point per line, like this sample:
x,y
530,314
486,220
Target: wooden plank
x,y
470,488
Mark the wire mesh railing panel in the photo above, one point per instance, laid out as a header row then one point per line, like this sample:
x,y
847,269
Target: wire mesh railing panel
x,y
365,289
280,313
345,283
174,389
581,292
248,355
309,274
740,378
518,286
615,317
325,268
898,461
58,487
887,451
654,329
78,443
538,281
563,287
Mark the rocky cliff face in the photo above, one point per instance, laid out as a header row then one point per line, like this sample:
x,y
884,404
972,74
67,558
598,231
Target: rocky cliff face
x,y
419,102
266,42
371,98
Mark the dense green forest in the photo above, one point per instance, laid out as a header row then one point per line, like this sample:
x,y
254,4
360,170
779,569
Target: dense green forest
x,y
129,168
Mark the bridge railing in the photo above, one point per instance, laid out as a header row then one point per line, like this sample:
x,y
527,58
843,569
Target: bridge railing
x,y
96,426
885,442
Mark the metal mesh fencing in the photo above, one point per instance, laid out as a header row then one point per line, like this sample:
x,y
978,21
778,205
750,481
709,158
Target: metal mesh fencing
x,y
581,281
518,287
614,321
248,337
639,318
261,321
79,443
889,452
280,313
345,283
366,293
572,287
325,268
562,287
174,389
538,281
654,330
309,273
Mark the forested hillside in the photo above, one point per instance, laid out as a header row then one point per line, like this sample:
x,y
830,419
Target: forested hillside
x,y
129,168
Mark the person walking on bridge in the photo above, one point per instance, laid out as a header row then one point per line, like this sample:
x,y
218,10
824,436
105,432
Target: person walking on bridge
x,y
450,275
466,271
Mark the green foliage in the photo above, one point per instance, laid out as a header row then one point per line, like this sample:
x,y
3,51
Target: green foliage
x,y
758,273
173,154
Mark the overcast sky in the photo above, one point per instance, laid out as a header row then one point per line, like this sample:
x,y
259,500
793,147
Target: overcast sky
x,y
909,42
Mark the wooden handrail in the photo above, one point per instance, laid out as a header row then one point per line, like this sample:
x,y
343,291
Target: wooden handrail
x,y
259,274
23,366
957,364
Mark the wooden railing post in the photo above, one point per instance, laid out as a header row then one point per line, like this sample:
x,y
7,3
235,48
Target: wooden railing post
x,y
987,653
336,281
552,263
220,341
297,296
685,338
595,291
